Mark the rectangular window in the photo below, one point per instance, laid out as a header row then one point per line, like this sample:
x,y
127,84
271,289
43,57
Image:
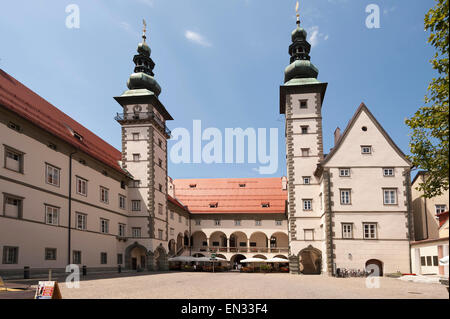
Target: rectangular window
x,y
344,172
76,257
160,162
104,195
51,215
278,222
309,234
435,261
160,209
52,175
217,222
198,222
429,261
304,129
160,188
13,160
258,222
136,183
441,208
370,230
390,196
388,172
104,226
179,218
50,253
171,215
135,136
81,186
307,204
347,231
10,255
122,201
303,104
122,230
306,180
160,143
172,231
135,205
119,259
136,232
81,221
305,152
366,149
160,234
237,222
346,196
12,206
136,157
423,261
103,258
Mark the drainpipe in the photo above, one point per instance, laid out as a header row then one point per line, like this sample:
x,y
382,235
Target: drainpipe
x,y
190,237
330,234
69,247
426,213
408,209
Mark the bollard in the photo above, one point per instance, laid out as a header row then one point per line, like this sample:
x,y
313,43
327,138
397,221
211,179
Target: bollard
x,y
119,269
26,272
84,270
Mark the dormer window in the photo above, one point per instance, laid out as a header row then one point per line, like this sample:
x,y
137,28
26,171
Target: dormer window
x,y
241,185
192,185
78,136
213,205
265,205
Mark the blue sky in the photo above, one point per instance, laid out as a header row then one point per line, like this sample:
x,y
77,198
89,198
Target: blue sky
x,y
221,62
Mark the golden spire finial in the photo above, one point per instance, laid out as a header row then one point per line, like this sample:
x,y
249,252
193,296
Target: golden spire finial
x,y
298,14
144,29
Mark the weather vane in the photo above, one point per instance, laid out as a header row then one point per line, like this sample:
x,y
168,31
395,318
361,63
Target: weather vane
x,y
298,14
144,29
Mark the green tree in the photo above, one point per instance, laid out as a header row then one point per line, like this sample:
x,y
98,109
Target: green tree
x,y
430,135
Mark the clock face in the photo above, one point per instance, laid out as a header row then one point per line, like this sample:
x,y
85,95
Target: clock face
x,y
137,108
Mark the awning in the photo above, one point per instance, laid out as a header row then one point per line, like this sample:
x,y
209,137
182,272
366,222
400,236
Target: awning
x,y
443,261
252,260
183,258
276,260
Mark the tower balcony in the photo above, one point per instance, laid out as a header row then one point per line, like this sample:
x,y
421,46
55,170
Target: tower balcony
x,y
143,117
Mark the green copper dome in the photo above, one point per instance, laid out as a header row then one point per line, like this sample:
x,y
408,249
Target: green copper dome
x,y
300,69
299,33
142,80
144,49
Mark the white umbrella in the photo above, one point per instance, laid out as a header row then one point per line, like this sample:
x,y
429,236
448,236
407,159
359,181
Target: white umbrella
x,y
208,259
276,260
253,260
443,261
183,258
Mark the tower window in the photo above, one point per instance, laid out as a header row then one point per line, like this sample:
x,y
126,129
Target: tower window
x,y
366,149
136,157
305,152
306,180
303,104
304,129
135,136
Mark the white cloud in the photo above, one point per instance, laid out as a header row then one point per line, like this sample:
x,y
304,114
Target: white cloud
x,y
197,38
126,26
315,36
147,2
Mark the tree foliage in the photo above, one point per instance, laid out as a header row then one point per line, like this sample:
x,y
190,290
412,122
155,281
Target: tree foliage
x,y
430,124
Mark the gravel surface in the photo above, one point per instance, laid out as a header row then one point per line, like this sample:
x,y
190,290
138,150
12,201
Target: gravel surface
x,y
184,285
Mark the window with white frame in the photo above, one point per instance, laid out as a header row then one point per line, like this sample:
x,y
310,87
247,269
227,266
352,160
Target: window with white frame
x,y
160,234
344,172
217,222
390,196
307,204
50,253
81,186
198,222
346,196
347,230
278,222
104,195
51,215
306,180
440,208
12,206
388,172
136,205
136,232
309,234
370,230
81,221
76,258
10,255
136,157
122,230
237,222
258,222
52,174
122,201
366,149
13,160
104,226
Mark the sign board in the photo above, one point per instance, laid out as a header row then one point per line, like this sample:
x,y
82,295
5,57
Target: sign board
x,y
213,256
48,290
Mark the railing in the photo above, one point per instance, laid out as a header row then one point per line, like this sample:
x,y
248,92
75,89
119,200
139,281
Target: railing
x,y
142,116
218,249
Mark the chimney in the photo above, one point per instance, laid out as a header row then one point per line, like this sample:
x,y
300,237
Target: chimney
x,y
337,135
284,183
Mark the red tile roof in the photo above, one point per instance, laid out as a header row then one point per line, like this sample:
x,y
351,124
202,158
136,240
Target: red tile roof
x,y
176,202
230,197
21,100
442,218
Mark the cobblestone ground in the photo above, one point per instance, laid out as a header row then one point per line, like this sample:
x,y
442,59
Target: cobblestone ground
x,y
181,285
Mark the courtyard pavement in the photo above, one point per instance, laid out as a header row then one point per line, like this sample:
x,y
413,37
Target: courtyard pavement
x,y
190,285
